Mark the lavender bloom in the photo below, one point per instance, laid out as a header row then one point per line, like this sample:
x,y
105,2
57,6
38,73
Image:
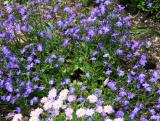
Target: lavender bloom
x,y
41,88
93,59
119,52
150,4
87,74
83,88
155,117
61,59
95,53
55,9
5,51
147,87
119,24
51,82
9,8
108,72
66,81
80,98
9,87
112,85
65,43
131,95
152,111
136,111
39,47
122,92
68,10
18,109
71,90
120,7
91,33
143,60
143,119
120,72
106,55
141,77
119,113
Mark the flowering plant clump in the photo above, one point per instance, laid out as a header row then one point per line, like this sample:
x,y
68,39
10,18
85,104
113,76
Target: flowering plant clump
x,y
83,59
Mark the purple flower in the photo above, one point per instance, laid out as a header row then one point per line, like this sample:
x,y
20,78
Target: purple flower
x,y
122,92
66,81
41,88
120,72
51,82
155,117
83,88
72,90
68,10
136,111
93,59
131,95
80,98
106,55
9,8
61,59
65,43
119,113
119,24
91,33
5,51
39,47
120,7
9,87
143,119
112,85
18,109
108,72
87,74
147,87
150,4
143,60
119,52
55,9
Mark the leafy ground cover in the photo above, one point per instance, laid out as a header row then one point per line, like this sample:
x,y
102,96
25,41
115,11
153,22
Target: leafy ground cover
x,y
74,60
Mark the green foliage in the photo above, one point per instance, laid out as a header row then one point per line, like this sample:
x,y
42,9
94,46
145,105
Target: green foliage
x,y
152,7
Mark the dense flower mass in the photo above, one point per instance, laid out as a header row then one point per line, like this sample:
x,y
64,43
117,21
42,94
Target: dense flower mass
x,y
74,60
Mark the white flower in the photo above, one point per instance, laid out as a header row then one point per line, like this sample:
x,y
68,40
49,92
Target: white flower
x,y
71,98
80,112
99,109
63,94
69,117
56,112
65,91
92,98
118,119
57,104
68,111
89,112
36,112
17,117
108,109
47,105
64,106
44,100
34,119
39,111
108,119
52,93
